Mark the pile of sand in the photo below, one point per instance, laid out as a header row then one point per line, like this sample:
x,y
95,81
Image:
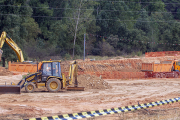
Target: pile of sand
x,y
5,72
92,82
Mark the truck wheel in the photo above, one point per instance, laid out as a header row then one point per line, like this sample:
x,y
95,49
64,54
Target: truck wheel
x,y
30,87
157,75
163,75
176,75
53,85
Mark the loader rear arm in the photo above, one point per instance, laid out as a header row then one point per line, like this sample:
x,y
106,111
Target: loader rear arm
x,y
73,73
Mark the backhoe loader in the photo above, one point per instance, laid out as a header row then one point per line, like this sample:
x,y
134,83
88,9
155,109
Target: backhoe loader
x,y
5,38
49,76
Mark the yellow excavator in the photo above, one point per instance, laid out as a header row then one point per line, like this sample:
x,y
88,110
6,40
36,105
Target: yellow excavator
x,y
49,76
5,38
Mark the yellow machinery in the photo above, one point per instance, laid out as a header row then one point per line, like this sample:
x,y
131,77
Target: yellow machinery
x,y
5,38
49,76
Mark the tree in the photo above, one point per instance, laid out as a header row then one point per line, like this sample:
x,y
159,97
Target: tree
x,y
43,16
60,38
79,20
174,8
111,15
106,49
32,28
143,22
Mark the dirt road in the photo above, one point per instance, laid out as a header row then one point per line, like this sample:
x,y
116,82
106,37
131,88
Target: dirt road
x,y
123,93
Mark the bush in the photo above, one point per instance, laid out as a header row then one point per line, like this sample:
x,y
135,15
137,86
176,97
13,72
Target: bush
x,y
139,53
118,52
67,56
106,49
133,54
77,57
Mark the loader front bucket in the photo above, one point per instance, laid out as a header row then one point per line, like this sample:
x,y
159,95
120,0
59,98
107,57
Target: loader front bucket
x,y
75,88
10,89
0,54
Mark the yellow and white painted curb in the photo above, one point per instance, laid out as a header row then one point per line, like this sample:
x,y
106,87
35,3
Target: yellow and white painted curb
x,y
106,111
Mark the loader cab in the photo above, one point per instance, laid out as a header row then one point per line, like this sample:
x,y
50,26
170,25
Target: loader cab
x,y
50,68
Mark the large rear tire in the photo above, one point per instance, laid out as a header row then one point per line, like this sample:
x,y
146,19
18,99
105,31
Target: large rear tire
x,y
30,87
53,85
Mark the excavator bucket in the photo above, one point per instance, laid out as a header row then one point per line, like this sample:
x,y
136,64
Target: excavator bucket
x,y
11,89
0,54
75,88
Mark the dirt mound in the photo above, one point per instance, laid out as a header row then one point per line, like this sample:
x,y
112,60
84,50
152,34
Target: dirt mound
x,y
92,82
123,65
5,72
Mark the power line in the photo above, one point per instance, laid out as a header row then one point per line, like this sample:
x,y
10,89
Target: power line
x,y
173,21
136,41
32,7
82,9
132,2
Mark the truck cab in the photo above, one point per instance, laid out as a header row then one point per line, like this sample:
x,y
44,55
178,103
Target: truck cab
x,y
176,66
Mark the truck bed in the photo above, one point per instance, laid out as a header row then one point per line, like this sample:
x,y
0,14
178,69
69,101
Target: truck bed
x,y
157,67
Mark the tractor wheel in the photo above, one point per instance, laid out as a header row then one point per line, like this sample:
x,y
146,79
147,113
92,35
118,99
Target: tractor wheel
x,y
53,85
30,87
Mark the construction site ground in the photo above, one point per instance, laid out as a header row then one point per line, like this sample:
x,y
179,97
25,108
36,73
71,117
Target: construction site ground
x,y
99,93
121,93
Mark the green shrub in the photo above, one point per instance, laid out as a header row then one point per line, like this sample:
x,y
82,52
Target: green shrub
x,y
67,56
139,53
77,57
133,54
24,76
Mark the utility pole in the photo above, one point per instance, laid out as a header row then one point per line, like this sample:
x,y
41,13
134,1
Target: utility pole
x,y
152,41
84,46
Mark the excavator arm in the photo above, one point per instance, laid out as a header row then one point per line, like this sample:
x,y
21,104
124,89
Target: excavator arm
x,y
5,38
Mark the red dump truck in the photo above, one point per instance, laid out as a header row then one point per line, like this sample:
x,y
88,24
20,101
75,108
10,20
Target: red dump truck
x,y
164,69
